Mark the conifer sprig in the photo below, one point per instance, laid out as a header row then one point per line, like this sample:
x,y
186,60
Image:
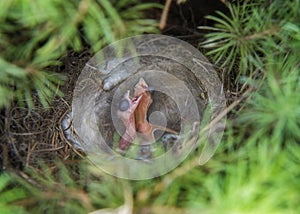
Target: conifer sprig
x,y
34,35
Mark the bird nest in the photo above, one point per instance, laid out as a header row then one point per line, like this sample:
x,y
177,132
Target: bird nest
x,y
184,85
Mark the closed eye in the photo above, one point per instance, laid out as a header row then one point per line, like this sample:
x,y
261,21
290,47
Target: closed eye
x,y
124,105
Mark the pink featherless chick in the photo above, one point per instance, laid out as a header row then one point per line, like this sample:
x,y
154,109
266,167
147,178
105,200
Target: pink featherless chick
x,y
126,114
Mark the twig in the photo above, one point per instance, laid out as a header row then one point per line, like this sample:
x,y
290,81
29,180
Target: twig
x,y
226,111
164,16
50,149
168,179
263,33
225,2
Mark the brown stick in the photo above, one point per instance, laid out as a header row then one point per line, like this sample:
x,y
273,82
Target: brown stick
x,y
164,15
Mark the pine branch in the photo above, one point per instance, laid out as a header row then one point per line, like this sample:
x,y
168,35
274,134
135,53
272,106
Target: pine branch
x,y
35,35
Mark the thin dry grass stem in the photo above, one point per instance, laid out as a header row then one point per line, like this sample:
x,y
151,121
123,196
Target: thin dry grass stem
x,y
227,110
4,157
82,10
58,190
263,34
163,209
30,151
178,172
30,180
186,167
128,195
246,84
50,149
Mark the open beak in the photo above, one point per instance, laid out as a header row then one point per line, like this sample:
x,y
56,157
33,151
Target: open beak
x,y
141,87
135,101
128,103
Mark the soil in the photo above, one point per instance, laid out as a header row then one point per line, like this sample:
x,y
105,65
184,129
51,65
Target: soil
x,y
31,136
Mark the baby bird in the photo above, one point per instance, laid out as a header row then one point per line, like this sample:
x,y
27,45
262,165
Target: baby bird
x,y
125,112
143,127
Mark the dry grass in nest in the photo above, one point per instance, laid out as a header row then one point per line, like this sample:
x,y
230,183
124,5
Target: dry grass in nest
x,y
34,135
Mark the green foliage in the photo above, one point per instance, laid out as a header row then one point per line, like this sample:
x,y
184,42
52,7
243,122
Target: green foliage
x,y
251,32
275,109
36,34
65,190
10,196
17,82
256,182
249,175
